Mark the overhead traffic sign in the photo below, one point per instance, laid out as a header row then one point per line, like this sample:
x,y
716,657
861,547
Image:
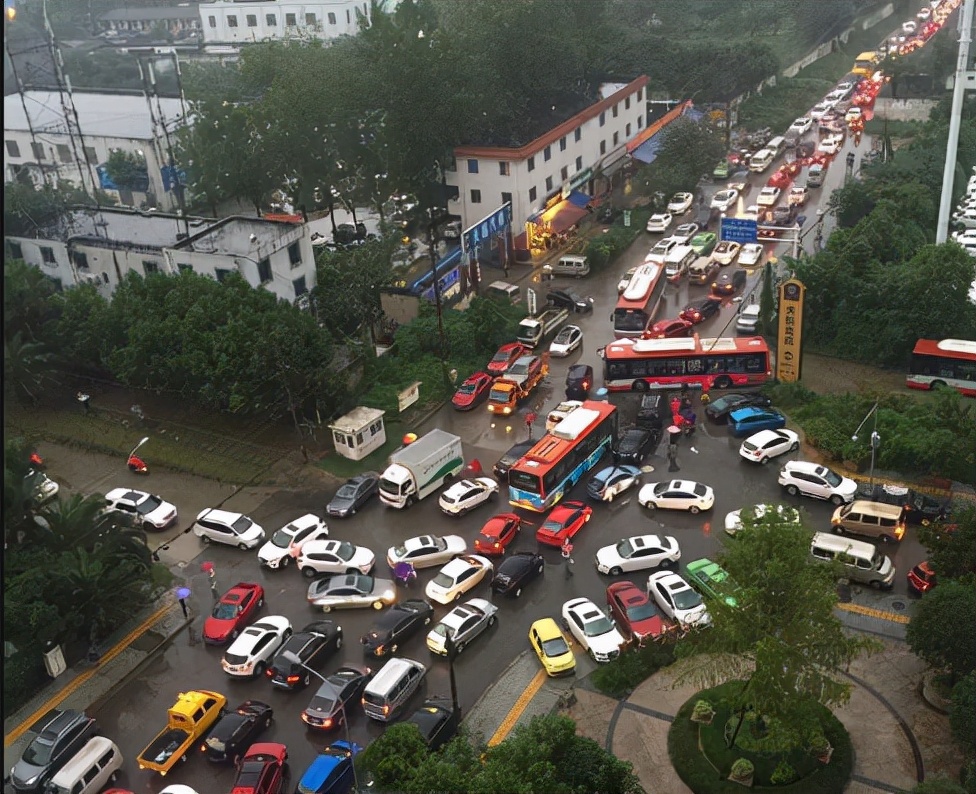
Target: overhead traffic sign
x,y
739,230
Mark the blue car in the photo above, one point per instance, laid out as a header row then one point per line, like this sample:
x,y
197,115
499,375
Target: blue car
x,y
613,481
331,772
746,421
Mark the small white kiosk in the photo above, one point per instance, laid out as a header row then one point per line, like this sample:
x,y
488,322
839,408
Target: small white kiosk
x,y
359,432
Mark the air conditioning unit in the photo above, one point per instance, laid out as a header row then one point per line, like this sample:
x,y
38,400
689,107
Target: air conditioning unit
x,y
89,278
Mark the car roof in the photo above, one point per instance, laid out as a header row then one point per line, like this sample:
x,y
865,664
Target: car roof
x,y
743,413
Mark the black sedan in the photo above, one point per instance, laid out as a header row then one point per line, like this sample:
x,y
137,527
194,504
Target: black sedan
x,y
437,722
510,458
354,494
236,731
338,692
718,410
564,299
729,283
395,626
312,645
700,310
634,444
516,571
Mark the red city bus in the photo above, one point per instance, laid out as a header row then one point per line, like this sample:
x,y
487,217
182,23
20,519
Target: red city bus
x,y
638,304
948,363
562,457
642,364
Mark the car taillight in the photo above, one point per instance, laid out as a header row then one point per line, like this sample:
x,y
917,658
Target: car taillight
x,y
270,672
292,679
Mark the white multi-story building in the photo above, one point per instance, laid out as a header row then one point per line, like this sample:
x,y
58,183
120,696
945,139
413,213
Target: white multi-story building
x,y
565,158
100,246
41,144
229,22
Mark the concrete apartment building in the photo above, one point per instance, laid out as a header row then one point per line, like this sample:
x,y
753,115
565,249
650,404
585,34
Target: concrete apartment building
x,y
243,23
100,246
559,161
178,21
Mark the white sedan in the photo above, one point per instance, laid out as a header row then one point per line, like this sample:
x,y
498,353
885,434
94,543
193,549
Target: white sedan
x,y
853,114
677,495
768,196
659,222
221,526
817,112
910,26
334,556
832,144
680,203
801,126
466,495
592,629
567,340
724,199
637,553
751,213
146,511
677,599
286,543
457,577
249,654
684,233
462,624
750,255
734,521
726,252
425,551
768,444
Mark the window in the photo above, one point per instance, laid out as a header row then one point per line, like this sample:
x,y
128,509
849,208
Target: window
x,y
504,169
13,149
37,150
252,20
472,166
91,156
221,273
232,20
299,286
64,153
616,138
532,164
548,183
47,255
564,173
348,17
291,20
603,147
627,103
295,254
547,154
475,196
264,270
185,268
506,198
532,194
149,266
638,95
271,20
578,134
311,19
212,21
603,118
627,130
332,18
16,252
562,144
579,164
640,122
81,260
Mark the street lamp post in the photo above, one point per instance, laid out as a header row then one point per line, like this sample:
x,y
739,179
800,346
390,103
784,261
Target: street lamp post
x,y
294,659
875,438
451,655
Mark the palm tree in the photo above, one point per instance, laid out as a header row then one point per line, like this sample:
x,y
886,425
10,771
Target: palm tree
x,y
27,367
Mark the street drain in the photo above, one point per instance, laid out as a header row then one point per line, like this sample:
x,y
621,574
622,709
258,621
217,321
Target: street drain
x,y
899,606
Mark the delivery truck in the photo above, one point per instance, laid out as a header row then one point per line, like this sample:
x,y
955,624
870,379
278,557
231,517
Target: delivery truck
x,y
534,330
420,468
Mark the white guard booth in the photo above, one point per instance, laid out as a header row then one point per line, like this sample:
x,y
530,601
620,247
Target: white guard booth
x,y
359,432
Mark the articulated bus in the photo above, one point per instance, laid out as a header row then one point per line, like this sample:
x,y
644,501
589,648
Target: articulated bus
x,y
949,363
562,457
866,64
642,364
639,303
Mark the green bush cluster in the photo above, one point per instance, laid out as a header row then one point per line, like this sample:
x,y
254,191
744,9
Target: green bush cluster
x,y
619,677
605,248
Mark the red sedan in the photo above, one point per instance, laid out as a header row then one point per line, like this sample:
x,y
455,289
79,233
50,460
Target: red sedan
x,y
669,329
636,616
233,612
505,357
562,523
921,578
472,391
262,770
497,533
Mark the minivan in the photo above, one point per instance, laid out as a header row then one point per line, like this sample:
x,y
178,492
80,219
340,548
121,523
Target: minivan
x,y
95,766
761,160
871,519
815,176
568,265
392,687
861,562
504,291
678,260
777,144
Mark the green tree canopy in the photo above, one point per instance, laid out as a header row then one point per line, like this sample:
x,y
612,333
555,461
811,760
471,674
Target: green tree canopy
x,y
952,545
940,630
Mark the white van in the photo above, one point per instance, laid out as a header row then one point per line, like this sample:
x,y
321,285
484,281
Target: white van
x,y
568,265
777,144
95,766
761,160
392,687
678,260
860,561
504,291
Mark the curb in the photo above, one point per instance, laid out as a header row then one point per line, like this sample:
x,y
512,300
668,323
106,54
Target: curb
x,y
484,695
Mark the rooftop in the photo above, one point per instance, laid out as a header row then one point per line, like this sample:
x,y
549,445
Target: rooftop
x,y
140,14
236,236
99,114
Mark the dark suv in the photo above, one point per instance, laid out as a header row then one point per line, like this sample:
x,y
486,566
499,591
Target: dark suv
x,y
579,381
61,735
510,458
653,412
634,444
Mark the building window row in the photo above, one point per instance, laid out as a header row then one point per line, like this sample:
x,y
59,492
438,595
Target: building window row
x,y
271,20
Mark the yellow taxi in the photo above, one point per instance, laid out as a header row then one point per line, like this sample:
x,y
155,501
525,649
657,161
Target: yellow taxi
x,y
551,647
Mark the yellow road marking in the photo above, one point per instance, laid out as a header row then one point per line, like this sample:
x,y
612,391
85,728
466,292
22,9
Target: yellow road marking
x,y
894,617
512,717
85,676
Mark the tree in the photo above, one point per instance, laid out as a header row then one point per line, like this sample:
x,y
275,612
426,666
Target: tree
x,y
28,367
688,150
952,553
782,639
962,712
392,760
940,631
127,170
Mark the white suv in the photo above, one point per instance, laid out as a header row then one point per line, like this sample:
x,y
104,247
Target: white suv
x,y
234,529
145,510
811,479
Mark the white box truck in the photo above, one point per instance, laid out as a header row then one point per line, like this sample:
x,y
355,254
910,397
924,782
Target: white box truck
x,y
420,468
534,330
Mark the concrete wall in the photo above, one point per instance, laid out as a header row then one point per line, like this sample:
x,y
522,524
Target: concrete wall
x,y
904,109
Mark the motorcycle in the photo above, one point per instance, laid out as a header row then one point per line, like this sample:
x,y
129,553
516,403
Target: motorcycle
x,y
137,465
687,421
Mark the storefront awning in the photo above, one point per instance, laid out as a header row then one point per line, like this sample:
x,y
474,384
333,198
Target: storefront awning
x,y
579,198
647,151
566,216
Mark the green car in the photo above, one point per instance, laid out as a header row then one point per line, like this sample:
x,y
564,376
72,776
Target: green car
x,y
703,243
721,170
711,580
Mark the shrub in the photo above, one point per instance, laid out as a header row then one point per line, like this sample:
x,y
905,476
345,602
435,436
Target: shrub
x,y
703,712
783,773
618,677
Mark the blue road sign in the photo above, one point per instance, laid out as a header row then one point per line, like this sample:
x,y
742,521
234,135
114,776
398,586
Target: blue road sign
x,y
739,230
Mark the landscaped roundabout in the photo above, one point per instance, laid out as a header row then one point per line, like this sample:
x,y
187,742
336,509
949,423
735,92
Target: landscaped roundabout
x,y
705,727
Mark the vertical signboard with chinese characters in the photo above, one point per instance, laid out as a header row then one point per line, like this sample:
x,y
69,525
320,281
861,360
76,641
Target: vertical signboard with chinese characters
x,y
790,327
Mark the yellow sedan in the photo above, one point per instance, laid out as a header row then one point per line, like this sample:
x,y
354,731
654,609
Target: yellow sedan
x,y
551,647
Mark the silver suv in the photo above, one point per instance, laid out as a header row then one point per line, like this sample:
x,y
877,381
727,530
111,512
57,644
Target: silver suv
x,y
803,478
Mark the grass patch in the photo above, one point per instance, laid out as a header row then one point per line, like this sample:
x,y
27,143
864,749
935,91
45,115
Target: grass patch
x,y
778,105
343,468
702,760
605,246
618,677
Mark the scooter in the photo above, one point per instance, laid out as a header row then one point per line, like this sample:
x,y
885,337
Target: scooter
x,y
137,465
